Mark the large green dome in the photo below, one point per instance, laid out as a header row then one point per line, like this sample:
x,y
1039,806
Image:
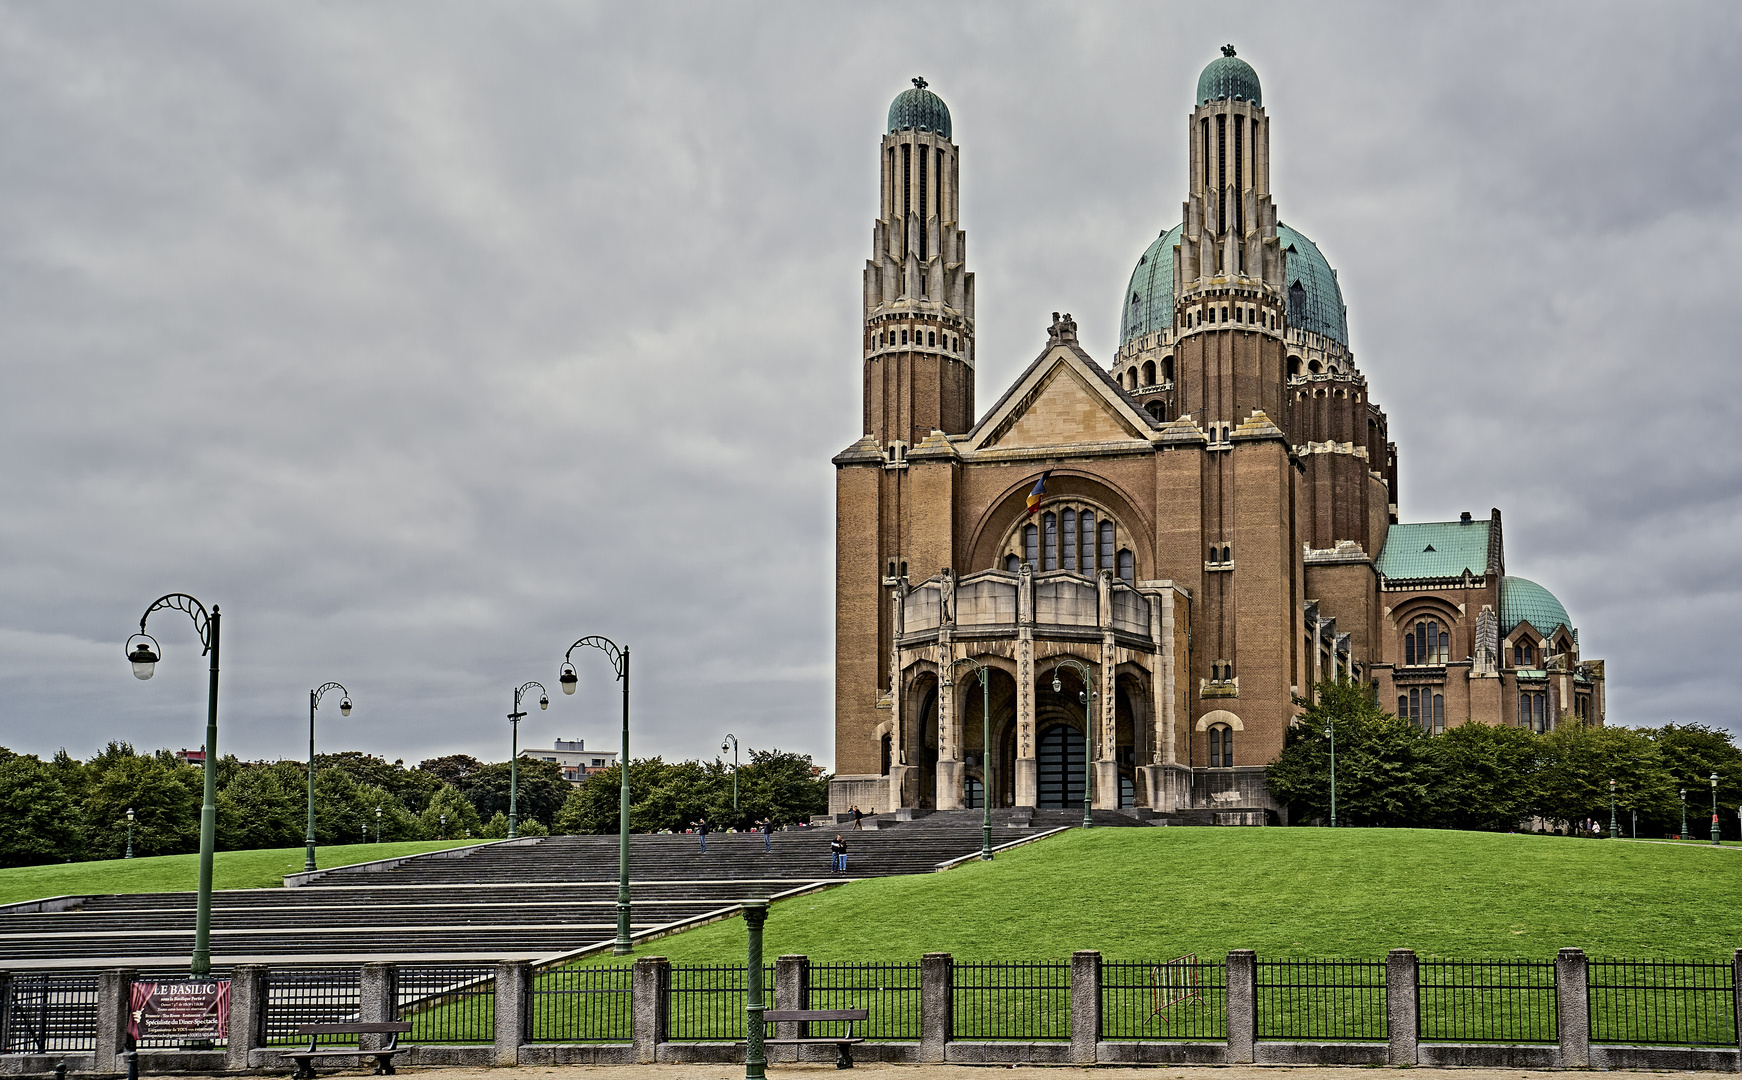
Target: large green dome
x,y
1228,76
1523,600
1315,301
919,109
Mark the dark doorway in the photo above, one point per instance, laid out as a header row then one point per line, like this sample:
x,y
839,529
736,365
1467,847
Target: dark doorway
x,y
976,793
1060,761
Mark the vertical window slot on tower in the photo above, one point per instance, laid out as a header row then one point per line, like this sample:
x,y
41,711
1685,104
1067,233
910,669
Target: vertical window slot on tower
x,y
1240,185
924,231
1222,173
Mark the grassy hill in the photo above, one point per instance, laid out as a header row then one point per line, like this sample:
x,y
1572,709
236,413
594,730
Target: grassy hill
x,y
1160,893
177,873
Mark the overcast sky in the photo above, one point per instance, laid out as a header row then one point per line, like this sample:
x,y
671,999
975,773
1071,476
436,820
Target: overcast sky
x,y
426,338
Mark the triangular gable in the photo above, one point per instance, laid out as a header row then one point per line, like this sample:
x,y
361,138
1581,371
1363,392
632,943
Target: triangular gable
x,y
1061,400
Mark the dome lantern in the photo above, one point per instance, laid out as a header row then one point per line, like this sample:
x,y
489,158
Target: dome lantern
x,y
1227,77
919,109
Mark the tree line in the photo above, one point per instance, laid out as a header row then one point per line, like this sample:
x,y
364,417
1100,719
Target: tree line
x,y
1476,776
66,810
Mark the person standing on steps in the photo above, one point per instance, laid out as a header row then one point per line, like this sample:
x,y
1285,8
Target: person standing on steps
x,y
838,855
858,819
701,827
767,827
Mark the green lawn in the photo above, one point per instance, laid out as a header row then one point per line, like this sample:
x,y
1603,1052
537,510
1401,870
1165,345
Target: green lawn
x,y
1160,893
178,873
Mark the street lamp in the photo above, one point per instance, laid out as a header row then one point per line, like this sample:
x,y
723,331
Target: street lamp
x,y
985,674
1684,833
314,702
514,754
620,662
144,660
1331,734
734,741
1086,696
1714,809
444,826
377,824
129,832
1614,832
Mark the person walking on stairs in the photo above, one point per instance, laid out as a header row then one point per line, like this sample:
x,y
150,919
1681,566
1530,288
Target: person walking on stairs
x,y
858,819
767,827
701,827
838,855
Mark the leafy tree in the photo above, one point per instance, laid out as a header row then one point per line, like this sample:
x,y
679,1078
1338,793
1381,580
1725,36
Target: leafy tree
x,y
39,821
497,828
671,795
773,784
1385,772
541,792
73,776
340,814
460,813
164,794
1487,777
454,769
396,822
1691,753
263,806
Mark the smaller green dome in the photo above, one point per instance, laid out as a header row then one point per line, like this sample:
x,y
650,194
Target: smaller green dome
x,y
1523,600
1228,76
920,109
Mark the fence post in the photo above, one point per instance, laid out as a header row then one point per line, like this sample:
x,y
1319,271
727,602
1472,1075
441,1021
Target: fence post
x,y
1242,1006
114,1000
1085,1005
1735,990
791,991
650,1006
936,1001
247,1008
378,990
1572,983
513,998
5,1009
1402,1006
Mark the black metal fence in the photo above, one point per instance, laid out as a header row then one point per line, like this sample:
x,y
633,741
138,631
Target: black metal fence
x,y
294,997
1679,1002
583,1004
1321,1000
1501,1001
448,1005
1011,1001
1184,999
46,1012
889,992
707,1001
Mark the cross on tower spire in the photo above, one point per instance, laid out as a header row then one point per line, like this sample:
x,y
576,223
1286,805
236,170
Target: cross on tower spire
x,y
919,83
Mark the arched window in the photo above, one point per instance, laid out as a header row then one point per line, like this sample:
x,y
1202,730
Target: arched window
x,y
931,338
1221,747
1227,554
886,754
1031,545
1088,547
1049,546
1106,545
1315,367
1127,565
1148,373
904,337
1213,558
1070,540
1426,643
1294,365
1167,370
1013,563
1156,409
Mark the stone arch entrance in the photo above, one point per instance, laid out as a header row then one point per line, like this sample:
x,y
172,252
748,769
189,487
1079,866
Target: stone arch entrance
x,y
1060,767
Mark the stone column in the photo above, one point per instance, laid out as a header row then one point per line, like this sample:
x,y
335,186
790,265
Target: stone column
x,y
1085,1006
950,770
791,991
247,1010
114,1005
513,1009
650,1007
1242,1006
936,990
1573,1008
1106,718
379,991
1401,1006
1027,776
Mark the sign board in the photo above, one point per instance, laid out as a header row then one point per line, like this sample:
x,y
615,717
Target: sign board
x,y
181,1009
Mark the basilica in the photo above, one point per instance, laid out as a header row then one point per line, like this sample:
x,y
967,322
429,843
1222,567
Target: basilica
x,y
1117,583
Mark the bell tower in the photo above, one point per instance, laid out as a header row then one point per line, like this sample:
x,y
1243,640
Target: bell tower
x,y
919,297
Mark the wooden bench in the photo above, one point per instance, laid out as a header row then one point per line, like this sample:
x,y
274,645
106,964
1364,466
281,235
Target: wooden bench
x,y
843,1043
383,1057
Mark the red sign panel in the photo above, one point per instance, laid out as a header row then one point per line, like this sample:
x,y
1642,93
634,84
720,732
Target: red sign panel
x,y
184,1009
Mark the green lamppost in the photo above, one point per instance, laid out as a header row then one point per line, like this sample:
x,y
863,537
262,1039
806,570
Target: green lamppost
x,y
129,832
1087,697
985,674
1614,830
1331,734
144,660
378,824
755,914
513,757
733,739
1714,809
314,702
620,662
1684,832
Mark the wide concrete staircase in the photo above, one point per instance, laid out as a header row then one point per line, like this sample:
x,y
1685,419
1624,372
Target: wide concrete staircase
x,y
527,899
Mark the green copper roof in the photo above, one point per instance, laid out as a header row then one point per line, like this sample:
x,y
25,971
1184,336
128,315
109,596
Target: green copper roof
x,y
1523,600
1228,76
921,109
1435,549
1315,301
